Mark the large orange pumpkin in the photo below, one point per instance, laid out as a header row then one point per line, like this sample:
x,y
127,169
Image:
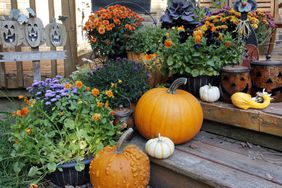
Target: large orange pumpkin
x,y
172,112
120,168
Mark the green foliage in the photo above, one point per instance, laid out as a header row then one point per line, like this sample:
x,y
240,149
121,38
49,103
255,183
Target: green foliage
x,y
78,126
145,39
10,176
132,76
198,59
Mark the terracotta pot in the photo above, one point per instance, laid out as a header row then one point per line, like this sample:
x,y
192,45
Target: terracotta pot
x,y
234,79
267,75
136,57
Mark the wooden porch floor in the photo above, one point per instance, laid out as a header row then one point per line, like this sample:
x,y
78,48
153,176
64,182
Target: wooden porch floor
x,y
210,160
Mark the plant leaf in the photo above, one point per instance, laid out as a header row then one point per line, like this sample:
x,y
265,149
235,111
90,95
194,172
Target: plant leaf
x,y
33,171
79,166
52,167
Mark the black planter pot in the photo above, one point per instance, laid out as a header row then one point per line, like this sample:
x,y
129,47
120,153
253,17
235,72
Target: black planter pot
x,y
69,176
194,83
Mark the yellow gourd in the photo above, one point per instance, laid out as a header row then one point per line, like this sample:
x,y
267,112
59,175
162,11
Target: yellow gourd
x,y
245,101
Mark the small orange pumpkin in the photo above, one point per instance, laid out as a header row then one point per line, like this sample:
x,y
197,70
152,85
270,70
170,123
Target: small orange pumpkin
x,y
172,112
120,168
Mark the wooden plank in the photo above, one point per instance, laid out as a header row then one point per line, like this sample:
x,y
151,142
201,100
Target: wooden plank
x,y
3,82
69,10
31,56
206,171
245,135
35,63
54,70
255,152
251,119
234,160
19,64
226,113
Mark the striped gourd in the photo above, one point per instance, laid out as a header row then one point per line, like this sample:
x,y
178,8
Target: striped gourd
x,y
160,147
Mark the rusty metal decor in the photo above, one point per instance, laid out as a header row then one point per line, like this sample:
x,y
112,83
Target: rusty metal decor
x,y
267,75
234,79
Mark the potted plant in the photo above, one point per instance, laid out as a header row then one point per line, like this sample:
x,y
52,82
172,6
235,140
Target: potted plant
x,y
108,29
197,58
58,130
142,47
144,41
128,79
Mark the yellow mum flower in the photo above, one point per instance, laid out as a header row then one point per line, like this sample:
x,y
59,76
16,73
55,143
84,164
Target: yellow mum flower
x,y
95,92
109,93
67,86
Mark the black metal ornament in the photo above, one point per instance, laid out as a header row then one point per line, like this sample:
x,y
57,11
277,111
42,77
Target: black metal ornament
x,y
245,6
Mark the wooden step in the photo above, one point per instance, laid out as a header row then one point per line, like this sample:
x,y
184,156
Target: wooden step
x,y
211,160
267,121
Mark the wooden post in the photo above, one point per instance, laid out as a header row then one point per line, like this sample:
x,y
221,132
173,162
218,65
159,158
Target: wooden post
x,y
51,17
3,82
19,64
36,63
69,10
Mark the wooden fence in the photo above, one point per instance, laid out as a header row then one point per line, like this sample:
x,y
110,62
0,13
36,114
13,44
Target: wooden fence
x,y
70,48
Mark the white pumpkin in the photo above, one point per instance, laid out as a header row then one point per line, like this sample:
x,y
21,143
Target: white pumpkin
x,y
160,147
209,93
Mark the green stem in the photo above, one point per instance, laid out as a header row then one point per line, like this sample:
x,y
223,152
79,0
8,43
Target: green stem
x,y
178,82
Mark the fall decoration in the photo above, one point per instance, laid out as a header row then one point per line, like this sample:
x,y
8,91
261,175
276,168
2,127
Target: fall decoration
x,y
245,101
108,29
172,112
117,167
160,147
209,93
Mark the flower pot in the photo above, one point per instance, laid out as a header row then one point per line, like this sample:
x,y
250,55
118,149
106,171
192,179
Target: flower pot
x,y
69,176
136,57
194,83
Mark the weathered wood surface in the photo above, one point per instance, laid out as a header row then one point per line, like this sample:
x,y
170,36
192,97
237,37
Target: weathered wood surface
x,y
219,165
267,121
246,135
31,56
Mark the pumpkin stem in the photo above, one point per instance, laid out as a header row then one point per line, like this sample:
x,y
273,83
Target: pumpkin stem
x,y
122,139
178,82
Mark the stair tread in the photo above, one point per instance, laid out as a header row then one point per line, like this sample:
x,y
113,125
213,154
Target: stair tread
x,y
220,163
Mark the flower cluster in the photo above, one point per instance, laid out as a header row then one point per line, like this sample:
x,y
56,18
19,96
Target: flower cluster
x,y
50,90
78,125
108,28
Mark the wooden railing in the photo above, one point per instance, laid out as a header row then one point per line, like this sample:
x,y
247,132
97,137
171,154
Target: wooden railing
x,y
14,54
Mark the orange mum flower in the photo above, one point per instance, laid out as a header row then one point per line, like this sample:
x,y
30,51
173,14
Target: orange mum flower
x,y
106,22
21,97
93,39
109,93
107,104
100,104
113,85
28,131
228,44
96,117
198,39
128,27
109,28
181,28
113,113
33,186
213,29
87,89
116,21
101,29
168,43
95,92
79,84
23,111
67,86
